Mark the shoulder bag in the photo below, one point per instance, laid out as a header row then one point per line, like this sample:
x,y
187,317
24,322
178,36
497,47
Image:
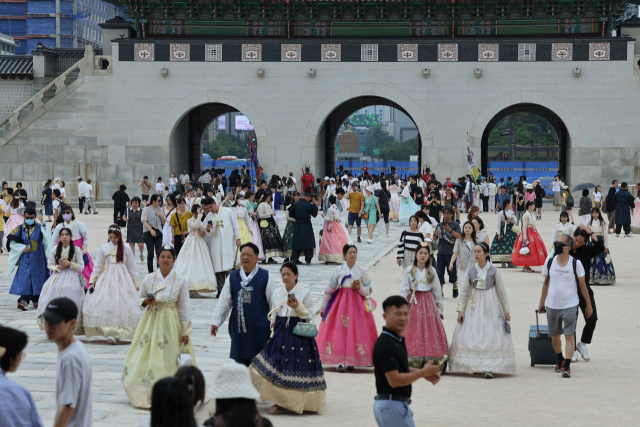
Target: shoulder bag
x,y
448,237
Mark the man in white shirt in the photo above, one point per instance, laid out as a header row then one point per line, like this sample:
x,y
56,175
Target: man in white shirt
x,y
293,178
493,190
485,195
184,177
560,300
81,193
88,191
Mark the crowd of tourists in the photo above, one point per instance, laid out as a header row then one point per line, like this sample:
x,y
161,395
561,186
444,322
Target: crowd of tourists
x,y
211,234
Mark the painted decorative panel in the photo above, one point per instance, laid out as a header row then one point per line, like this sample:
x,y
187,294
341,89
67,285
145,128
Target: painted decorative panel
x,y
330,53
407,52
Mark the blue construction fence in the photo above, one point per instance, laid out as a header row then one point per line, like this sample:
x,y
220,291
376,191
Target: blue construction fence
x,y
356,167
544,171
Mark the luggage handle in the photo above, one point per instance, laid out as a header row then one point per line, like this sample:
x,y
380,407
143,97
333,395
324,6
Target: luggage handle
x,y
538,327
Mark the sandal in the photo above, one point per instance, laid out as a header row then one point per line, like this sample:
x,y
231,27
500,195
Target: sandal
x,y
275,410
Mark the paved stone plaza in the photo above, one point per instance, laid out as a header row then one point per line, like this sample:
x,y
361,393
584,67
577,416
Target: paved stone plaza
x,y
601,392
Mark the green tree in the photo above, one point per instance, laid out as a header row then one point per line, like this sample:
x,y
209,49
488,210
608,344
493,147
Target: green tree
x,y
228,145
401,151
378,138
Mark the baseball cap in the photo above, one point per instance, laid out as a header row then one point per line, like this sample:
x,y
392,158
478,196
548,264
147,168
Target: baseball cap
x,y
60,309
354,184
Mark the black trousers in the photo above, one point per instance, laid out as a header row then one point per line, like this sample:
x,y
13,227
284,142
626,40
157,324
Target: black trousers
x,y
81,203
177,244
485,203
221,277
590,323
308,255
627,228
153,244
118,213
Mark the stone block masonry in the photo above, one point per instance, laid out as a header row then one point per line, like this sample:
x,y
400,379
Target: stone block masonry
x,y
142,125
12,95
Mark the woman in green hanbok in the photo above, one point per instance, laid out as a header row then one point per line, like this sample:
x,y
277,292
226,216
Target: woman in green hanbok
x,y
163,332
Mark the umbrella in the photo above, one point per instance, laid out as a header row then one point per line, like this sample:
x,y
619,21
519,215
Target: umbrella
x,y
455,184
586,185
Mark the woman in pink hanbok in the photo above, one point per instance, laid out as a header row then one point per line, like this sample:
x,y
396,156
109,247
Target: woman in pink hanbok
x,y
80,239
333,237
347,333
16,218
635,217
394,203
425,336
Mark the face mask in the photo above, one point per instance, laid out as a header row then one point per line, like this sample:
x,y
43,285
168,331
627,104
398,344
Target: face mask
x,y
67,217
29,221
558,247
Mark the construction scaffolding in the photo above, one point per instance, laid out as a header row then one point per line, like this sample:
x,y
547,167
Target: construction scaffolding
x,y
55,23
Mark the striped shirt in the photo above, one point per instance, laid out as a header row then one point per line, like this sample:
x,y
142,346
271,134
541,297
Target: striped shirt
x,y
409,241
149,216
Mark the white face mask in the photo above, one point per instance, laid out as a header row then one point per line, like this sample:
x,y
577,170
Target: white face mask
x,y
67,217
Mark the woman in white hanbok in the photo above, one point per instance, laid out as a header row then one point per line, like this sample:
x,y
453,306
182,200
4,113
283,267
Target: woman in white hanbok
x,y
66,280
481,342
111,307
194,265
169,209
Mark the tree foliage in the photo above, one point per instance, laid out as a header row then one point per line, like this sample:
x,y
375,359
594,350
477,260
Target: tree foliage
x,y
528,127
390,149
228,145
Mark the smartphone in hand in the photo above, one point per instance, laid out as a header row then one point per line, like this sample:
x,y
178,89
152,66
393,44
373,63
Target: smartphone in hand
x,y
150,296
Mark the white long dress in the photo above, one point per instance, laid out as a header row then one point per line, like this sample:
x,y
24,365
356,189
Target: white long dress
x,y
68,282
224,233
166,228
112,309
480,343
194,263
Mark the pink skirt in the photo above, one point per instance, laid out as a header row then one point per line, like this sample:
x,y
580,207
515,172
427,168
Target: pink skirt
x,y
348,333
14,221
425,336
333,240
257,239
88,267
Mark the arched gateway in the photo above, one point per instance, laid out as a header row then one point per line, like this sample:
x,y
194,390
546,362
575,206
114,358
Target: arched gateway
x,y
296,69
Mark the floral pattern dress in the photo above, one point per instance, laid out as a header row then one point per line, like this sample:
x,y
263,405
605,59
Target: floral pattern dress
x,y
155,348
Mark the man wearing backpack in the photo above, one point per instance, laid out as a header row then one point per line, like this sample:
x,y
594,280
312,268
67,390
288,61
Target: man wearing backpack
x,y
560,300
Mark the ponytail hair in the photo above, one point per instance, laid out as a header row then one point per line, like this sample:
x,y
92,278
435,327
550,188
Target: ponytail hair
x,y
117,231
60,248
485,249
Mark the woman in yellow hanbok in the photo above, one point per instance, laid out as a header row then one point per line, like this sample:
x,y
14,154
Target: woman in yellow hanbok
x,y
162,334
242,216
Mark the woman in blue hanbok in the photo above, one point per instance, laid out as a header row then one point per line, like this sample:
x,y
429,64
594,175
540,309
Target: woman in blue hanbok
x,y
407,206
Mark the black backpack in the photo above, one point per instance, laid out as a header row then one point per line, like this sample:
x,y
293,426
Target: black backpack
x,y
570,201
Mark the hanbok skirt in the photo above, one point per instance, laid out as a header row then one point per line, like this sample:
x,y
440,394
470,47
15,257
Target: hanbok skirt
x,y
425,336
195,266
271,240
166,234
14,221
245,236
256,238
287,239
348,333
88,263
407,208
153,353
537,252
333,240
394,205
69,284
602,272
635,220
501,249
480,343
407,261
112,309
292,379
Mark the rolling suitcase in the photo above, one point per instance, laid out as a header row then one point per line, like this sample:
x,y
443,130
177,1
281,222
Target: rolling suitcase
x,y
540,347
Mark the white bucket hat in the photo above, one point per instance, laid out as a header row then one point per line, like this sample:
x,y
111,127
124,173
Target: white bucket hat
x,y
370,189
233,381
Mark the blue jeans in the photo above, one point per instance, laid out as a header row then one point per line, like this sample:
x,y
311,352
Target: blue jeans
x,y
389,413
443,265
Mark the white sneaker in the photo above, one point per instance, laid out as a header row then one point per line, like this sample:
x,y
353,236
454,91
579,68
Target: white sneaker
x,y
582,349
341,368
111,340
627,235
488,375
369,241
575,357
617,235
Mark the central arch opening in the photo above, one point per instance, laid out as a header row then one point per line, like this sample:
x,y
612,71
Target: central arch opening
x,y
388,136
525,140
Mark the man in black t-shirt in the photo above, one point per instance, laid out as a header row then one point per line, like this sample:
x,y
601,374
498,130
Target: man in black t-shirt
x,y
391,368
120,203
416,192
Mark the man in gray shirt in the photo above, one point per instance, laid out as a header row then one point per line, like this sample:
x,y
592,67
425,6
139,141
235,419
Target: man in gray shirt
x,y
184,177
73,373
446,233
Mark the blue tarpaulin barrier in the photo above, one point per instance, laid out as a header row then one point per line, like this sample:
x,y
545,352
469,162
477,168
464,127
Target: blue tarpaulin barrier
x,y
41,26
13,27
356,167
13,9
48,6
544,171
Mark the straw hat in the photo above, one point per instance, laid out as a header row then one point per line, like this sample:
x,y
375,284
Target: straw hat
x,y
57,180
233,381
